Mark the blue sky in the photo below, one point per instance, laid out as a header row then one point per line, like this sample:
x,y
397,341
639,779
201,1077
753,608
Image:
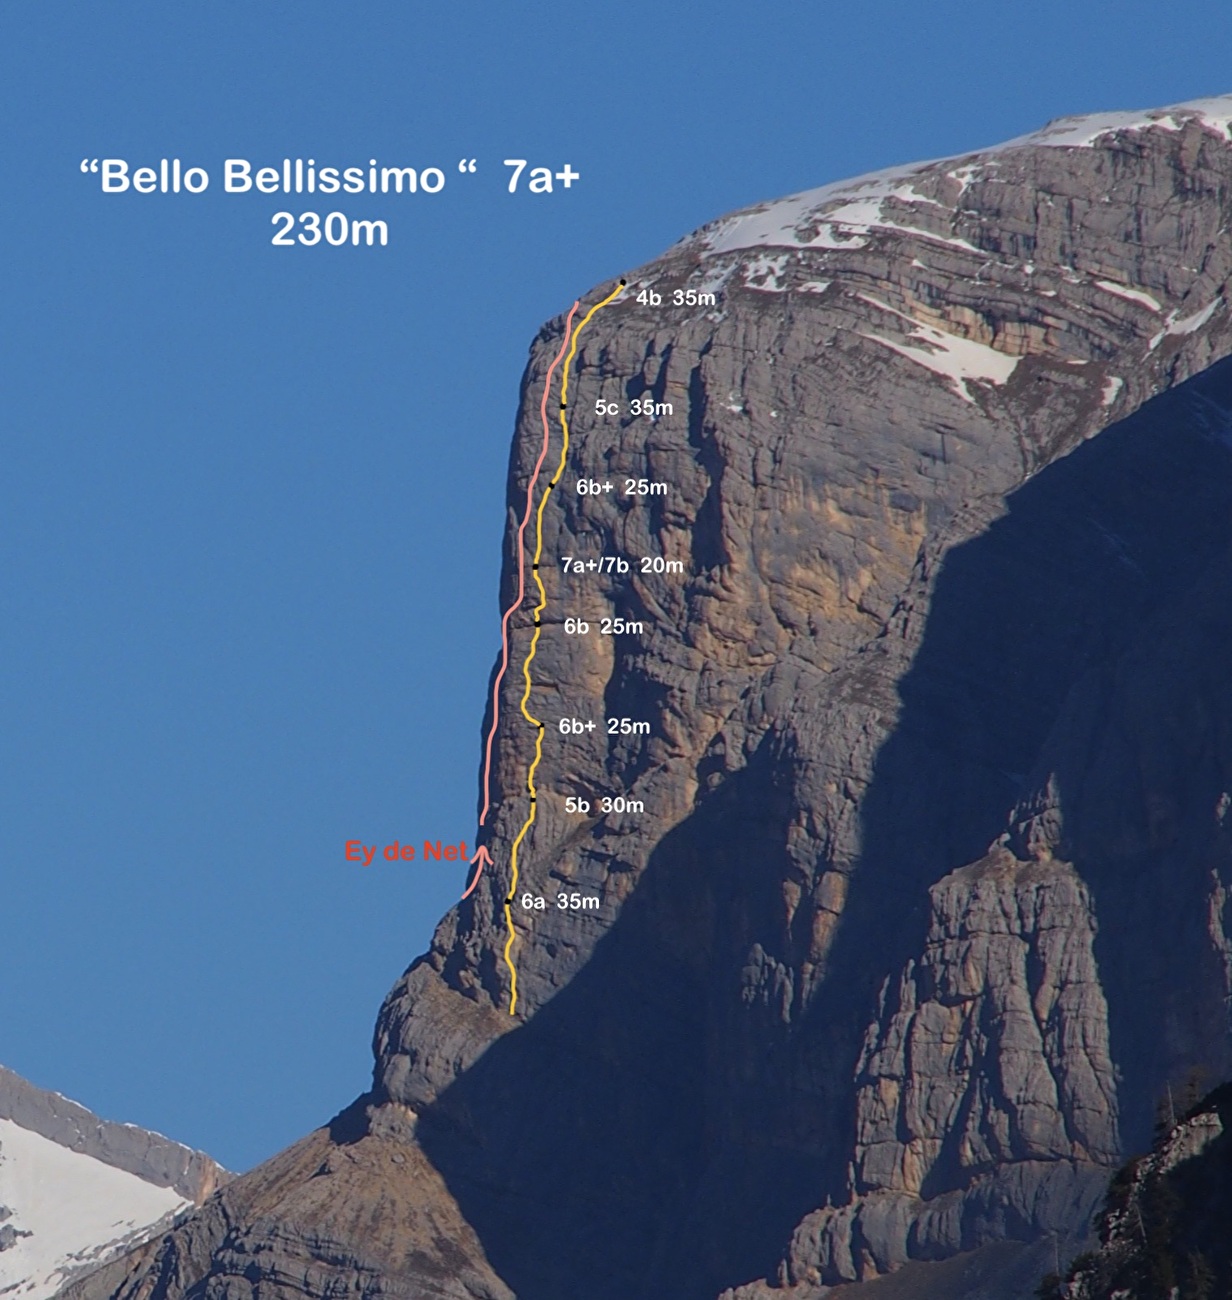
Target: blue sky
x,y
252,497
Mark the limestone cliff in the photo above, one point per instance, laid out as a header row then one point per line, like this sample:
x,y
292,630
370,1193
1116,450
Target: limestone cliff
x,y
927,898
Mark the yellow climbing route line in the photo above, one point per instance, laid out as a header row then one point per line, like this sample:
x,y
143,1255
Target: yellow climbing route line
x,y
534,646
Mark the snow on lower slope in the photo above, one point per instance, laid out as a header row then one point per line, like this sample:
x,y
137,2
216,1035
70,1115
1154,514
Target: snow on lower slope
x,y
67,1210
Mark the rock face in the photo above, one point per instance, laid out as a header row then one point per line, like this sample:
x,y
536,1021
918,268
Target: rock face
x,y
927,895
352,1208
985,1093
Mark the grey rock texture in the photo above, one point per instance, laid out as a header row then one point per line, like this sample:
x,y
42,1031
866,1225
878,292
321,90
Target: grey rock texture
x,y
986,1096
929,895
352,1209
149,1155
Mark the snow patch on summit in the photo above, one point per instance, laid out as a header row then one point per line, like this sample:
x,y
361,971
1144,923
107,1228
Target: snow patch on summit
x,y
843,214
764,273
1086,130
808,220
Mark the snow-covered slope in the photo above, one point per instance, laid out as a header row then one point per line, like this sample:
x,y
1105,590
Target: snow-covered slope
x,y
76,1189
843,214
62,1211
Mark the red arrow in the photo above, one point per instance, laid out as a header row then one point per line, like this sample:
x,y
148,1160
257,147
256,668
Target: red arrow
x,y
484,858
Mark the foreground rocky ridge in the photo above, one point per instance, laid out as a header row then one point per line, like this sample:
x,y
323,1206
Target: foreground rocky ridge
x,y
928,898
352,1208
1163,1227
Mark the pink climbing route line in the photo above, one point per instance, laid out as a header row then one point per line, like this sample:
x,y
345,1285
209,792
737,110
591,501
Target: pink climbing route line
x,y
482,856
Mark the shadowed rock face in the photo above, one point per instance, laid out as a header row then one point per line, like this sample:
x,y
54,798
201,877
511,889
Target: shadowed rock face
x,y
928,899
1163,1229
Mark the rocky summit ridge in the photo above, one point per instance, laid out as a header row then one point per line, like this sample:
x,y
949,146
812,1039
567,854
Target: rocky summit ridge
x,y
929,896
149,1156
